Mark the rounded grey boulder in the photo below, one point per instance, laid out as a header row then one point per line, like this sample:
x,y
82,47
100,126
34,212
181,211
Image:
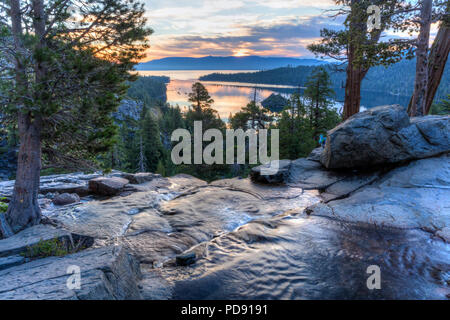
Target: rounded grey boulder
x,y
107,186
385,135
65,199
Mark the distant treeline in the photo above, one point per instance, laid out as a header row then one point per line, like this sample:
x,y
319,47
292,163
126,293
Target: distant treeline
x,y
398,79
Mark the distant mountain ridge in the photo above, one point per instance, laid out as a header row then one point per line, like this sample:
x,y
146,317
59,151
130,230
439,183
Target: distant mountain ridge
x,y
226,63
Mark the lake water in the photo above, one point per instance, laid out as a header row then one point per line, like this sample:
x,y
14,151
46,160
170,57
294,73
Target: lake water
x,y
231,97
228,97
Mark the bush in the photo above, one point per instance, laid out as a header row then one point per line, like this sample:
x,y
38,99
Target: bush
x,y
47,248
3,206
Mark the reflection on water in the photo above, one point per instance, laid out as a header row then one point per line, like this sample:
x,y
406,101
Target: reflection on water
x,y
231,97
227,98
315,258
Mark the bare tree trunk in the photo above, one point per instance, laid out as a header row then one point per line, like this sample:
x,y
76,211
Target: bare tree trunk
x,y
421,83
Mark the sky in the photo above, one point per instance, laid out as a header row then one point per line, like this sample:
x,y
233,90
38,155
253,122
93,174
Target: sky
x,y
198,28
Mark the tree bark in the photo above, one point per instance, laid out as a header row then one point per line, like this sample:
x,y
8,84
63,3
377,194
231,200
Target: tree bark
x,y
355,73
24,208
436,63
421,82
355,76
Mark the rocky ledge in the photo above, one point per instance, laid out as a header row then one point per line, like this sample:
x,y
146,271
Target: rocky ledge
x,y
389,171
131,226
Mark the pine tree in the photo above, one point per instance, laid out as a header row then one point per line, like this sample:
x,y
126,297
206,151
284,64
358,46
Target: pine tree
x,y
142,159
69,71
257,116
153,150
320,94
361,48
304,118
201,109
160,169
296,139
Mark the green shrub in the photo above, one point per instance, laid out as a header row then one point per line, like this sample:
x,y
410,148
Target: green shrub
x,y
3,206
47,248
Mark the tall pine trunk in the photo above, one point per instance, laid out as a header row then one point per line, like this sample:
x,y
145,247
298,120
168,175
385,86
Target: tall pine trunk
x,y
24,208
421,82
436,63
355,72
355,76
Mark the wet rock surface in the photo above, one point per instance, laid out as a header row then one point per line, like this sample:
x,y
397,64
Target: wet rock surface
x,y
66,183
312,258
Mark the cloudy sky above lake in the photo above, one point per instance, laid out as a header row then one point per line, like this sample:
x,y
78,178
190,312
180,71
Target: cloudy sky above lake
x,y
196,28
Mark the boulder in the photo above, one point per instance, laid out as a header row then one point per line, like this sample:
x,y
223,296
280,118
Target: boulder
x,y
107,186
140,178
274,172
65,199
107,273
385,135
186,259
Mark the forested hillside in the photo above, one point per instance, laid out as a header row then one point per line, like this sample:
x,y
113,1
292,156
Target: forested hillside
x,y
149,90
397,79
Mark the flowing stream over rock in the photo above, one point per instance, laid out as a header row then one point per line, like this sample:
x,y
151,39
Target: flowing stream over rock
x,y
314,258
255,241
